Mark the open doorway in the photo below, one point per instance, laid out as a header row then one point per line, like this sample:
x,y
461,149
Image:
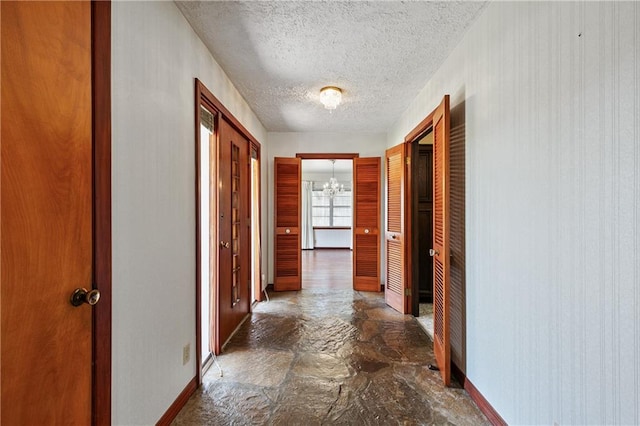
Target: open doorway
x,y
422,228
365,227
327,221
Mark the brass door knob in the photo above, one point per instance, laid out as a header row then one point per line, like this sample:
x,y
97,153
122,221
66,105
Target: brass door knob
x,y
82,295
433,252
224,245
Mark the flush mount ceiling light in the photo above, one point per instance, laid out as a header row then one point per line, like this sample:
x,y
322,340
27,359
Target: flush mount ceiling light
x,y
330,97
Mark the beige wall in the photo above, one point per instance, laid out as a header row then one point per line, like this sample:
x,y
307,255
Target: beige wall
x,y
551,96
156,56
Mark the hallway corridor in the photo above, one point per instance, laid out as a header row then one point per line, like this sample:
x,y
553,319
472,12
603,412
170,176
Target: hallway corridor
x,y
327,356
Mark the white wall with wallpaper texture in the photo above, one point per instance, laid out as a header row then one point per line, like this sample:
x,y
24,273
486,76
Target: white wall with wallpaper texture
x,y
155,58
551,93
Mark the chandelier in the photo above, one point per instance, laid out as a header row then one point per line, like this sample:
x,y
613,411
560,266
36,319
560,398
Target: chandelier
x,y
332,188
330,97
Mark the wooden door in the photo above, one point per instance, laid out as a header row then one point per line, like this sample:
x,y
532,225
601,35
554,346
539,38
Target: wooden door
x,y
287,262
366,224
396,290
234,222
440,251
47,241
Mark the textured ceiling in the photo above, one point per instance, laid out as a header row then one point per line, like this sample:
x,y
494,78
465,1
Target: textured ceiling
x,y
279,54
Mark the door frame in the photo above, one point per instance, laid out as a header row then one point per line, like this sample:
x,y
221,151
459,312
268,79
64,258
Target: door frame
x,y
204,97
102,263
421,130
412,138
327,156
412,209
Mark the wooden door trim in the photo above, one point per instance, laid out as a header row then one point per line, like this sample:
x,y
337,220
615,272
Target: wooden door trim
x,y
327,156
102,274
210,100
423,127
410,212
201,100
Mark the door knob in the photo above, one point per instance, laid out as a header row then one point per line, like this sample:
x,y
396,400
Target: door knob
x,y
433,252
224,245
366,231
82,295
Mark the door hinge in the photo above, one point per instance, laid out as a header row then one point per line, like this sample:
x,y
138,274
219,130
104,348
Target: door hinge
x,y
407,292
407,160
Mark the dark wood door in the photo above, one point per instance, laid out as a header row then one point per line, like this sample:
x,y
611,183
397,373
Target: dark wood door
x,y
234,222
46,212
441,237
422,217
396,290
287,190
366,227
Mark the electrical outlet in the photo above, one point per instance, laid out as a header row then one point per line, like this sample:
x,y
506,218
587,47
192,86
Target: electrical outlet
x,y
186,353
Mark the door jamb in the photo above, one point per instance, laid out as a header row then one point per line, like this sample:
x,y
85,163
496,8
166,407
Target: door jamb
x,y
102,261
412,137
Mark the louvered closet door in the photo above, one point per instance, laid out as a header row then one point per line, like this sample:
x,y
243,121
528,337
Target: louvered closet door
x,y
366,224
440,251
287,190
394,235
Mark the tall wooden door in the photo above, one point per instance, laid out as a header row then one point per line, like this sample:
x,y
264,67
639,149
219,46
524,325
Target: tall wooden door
x,y
440,250
397,290
46,212
366,226
287,259
234,223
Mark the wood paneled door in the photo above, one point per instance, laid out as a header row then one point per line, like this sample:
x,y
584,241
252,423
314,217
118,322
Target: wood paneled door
x,y
397,294
55,213
287,259
440,250
366,224
234,221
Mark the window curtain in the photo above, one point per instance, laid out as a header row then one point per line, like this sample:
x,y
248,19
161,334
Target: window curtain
x,y
307,215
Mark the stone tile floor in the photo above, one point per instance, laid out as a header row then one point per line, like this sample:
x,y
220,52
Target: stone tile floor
x,y
425,318
327,356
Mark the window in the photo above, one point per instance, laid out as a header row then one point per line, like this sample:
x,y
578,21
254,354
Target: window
x,y
331,212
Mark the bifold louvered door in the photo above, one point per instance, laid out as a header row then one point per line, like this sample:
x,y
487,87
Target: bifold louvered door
x,y
287,262
440,251
366,224
396,285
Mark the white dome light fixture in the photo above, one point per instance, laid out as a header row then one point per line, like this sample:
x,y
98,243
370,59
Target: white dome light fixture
x,y
330,97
